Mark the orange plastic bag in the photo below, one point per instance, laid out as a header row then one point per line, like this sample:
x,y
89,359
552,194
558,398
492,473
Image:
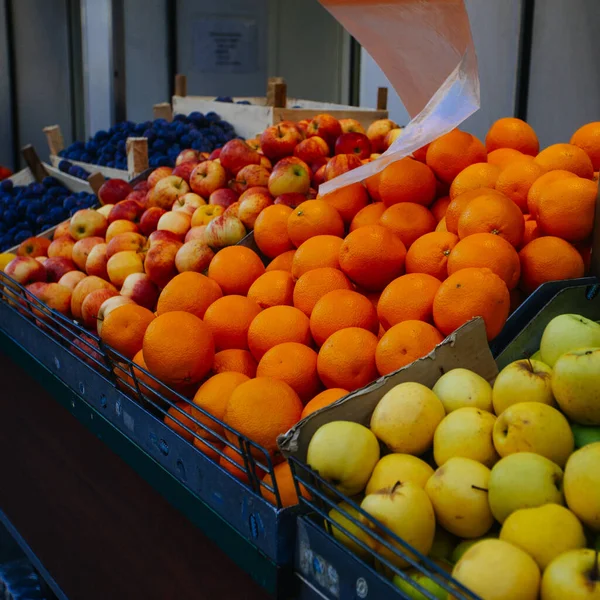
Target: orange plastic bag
x,y
425,49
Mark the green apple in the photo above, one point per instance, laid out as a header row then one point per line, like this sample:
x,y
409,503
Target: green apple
x,y
459,551
534,427
544,532
344,453
497,570
537,355
576,385
525,379
460,387
459,494
338,517
574,575
582,485
443,544
437,591
523,480
585,435
565,333
406,510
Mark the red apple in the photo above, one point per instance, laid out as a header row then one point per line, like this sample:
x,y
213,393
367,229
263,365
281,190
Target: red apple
x,y
57,266
88,223
223,197
351,125
280,140
194,255
232,211
265,162
292,200
113,191
224,231
126,241
289,178
318,177
353,143
216,153
184,170
160,262
302,125
341,163
317,164
250,176
91,306
312,149
71,279
128,210
138,196
149,220
34,247
188,203
377,131
325,126
177,222
141,289
25,270
62,229
82,248
207,177
86,286
162,236
158,174
236,154
187,155
166,191
97,260
195,233
251,207
119,227
141,186
55,296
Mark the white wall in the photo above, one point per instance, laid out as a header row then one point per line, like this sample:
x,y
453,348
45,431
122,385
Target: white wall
x,y
495,25
6,154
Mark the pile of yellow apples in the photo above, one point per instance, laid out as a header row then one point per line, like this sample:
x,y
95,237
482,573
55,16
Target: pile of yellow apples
x,y
498,484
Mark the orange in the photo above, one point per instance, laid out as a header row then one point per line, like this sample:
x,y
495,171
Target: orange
x,y
283,262
429,254
313,285
285,486
407,298
474,177
407,180
270,230
340,309
372,185
404,343
176,417
408,221
124,328
441,188
229,319
277,325
178,348
532,232
190,292
504,157
548,259
421,153
261,409
209,450
533,196
347,359
272,289
372,257
317,252
459,203
585,250
294,363
588,139
469,293
369,215
566,209
311,218
347,200
212,396
516,180
441,226
323,399
240,361
235,269
233,462
566,157
439,207
492,214
451,153
487,250
512,133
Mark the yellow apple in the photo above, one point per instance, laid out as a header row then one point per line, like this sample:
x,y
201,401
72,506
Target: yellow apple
x,y
460,387
466,432
497,570
406,417
398,467
574,575
458,492
5,258
525,379
534,427
576,385
566,333
544,532
582,484
460,550
523,480
423,580
338,517
537,355
344,453
406,510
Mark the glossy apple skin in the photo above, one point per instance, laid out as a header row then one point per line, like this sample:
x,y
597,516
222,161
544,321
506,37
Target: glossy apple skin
x,y
166,191
236,154
141,289
157,175
325,126
118,227
128,210
26,270
96,261
34,247
353,143
377,131
280,140
250,176
251,207
207,177
194,255
113,191
188,155
160,262
184,170
130,240
224,197
149,221
341,163
87,223
351,125
58,266
223,231
82,248
289,178
312,149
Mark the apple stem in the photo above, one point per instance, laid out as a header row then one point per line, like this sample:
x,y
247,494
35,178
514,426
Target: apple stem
x,y
530,364
396,486
476,487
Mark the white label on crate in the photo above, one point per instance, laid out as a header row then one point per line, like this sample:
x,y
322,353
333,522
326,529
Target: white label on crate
x,y
226,44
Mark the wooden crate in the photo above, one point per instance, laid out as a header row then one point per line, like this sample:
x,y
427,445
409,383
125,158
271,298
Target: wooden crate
x,y
249,120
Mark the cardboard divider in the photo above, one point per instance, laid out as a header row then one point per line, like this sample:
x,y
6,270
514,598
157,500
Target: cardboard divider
x,y
96,180
163,110
180,85
34,163
466,348
137,156
54,135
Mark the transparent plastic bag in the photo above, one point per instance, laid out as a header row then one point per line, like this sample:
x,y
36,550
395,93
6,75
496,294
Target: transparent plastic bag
x,y
425,49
